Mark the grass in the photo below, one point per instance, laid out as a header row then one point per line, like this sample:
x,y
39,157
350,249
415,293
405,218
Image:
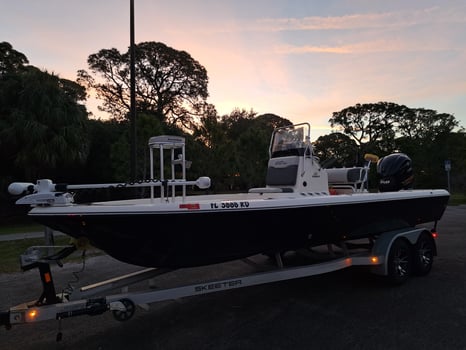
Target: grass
x,y
20,228
11,250
457,199
19,224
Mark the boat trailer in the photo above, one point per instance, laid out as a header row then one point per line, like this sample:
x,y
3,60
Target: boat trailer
x,y
395,254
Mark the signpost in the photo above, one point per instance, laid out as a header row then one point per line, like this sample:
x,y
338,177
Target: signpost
x,y
447,169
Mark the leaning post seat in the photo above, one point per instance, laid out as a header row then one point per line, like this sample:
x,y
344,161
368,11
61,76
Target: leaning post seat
x,y
347,179
282,171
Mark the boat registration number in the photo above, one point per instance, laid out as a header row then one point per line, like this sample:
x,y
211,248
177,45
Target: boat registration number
x,y
229,205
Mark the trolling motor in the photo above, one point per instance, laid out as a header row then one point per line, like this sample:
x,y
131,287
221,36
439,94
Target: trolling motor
x,y
45,192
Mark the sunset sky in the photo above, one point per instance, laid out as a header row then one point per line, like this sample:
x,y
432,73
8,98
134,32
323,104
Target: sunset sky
x,y
302,60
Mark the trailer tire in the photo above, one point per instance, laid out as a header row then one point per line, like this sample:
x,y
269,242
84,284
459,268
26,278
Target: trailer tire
x,y
399,262
424,251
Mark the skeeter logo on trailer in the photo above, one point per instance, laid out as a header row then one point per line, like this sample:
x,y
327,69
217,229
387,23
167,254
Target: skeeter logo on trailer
x,y
229,205
203,288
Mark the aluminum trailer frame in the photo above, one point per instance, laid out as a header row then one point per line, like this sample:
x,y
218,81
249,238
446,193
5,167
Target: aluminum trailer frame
x,y
383,258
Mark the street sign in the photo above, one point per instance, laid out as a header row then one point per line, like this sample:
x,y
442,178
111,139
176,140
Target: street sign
x,y
447,165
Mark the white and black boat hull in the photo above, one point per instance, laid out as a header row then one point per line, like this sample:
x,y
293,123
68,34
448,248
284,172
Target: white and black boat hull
x,y
201,233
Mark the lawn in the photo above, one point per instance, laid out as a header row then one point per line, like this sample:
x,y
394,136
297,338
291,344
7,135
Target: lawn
x,y
457,199
11,250
20,228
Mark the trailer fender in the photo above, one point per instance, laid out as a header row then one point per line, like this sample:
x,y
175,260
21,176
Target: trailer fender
x,y
385,241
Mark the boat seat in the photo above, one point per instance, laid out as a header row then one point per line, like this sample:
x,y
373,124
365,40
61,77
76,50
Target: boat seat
x,y
282,171
347,178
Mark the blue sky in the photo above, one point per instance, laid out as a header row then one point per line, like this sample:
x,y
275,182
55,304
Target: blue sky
x,y
302,60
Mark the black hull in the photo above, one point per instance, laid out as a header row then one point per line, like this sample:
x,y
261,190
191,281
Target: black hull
x,y
196,238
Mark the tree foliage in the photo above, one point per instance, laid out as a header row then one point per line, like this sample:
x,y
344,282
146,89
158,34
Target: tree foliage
x,y
376,126
425,124
11,61
336,150
386,127
371,125
42,123
237,147
170,84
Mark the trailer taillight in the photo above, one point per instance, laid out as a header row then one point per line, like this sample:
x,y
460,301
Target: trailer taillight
x,y
31,315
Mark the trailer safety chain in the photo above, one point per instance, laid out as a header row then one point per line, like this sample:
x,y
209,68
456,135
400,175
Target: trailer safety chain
x,y
69,288
59,336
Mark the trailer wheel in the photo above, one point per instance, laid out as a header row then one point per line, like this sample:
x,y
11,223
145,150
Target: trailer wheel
x,y
399,262
423,255
127,314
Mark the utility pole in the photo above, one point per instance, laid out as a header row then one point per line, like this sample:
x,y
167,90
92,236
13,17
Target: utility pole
x,y
133,94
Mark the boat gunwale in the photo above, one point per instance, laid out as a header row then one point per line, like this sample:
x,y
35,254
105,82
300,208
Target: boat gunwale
x,y
254,202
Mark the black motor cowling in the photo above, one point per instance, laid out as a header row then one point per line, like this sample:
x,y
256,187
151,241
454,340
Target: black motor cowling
x,y
395,172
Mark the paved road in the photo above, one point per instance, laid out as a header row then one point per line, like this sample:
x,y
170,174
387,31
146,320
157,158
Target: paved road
x,y
346,309
25,235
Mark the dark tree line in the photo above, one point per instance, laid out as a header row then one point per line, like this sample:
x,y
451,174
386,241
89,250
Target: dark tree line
x,y
427,136
46,132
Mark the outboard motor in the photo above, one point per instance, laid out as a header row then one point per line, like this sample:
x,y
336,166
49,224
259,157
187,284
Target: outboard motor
x,y
396,172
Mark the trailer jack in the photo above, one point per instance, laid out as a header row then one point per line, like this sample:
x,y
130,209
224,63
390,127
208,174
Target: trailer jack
x,y
30,260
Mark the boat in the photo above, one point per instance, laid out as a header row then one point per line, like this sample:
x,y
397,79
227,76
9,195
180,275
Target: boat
x,y
302,205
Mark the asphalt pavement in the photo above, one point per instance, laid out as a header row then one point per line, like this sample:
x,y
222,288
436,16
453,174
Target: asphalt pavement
x,y
348,309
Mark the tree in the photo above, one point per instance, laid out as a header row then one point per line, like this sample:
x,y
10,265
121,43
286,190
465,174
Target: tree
x,y
376,126
425,124
385,127
11,60
120,150
336,150
170,84
229,151
454,148
252,148
102,136
371,125
235,152
43,123
209,130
